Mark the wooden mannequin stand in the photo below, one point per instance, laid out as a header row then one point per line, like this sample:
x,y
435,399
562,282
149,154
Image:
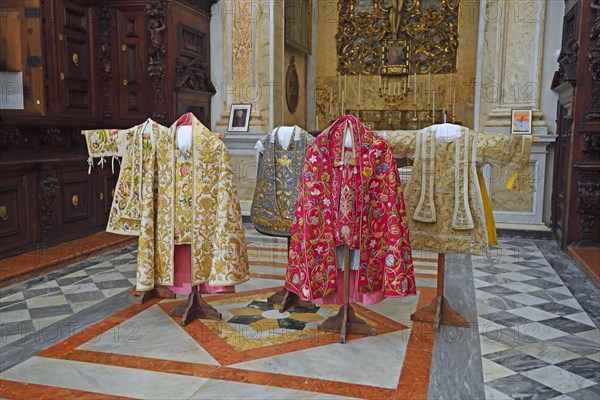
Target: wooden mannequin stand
x,y
288,299
440,311
346,321
161,292
195,308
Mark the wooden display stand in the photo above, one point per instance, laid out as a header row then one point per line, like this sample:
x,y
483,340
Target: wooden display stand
x,y
440,311
161,292
288,299
195,308
346,321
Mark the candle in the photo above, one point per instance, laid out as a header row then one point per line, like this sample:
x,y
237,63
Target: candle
x,y
317,122
429,87
379,80
453,103
433,104
405,83
389,87
345,82
415,93
339,89
359,81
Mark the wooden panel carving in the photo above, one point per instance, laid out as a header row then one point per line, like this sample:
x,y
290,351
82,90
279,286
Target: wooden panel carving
x,y
47,188
156,52
593,60
105,41
588,204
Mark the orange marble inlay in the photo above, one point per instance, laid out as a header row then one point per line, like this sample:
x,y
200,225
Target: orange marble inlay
x,y
413,381
20,390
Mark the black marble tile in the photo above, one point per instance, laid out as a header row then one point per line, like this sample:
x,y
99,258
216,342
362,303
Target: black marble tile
x,y
119,283
6,306
498,280
22,328
576,344
521,387
516,360
550,295
493,270
513,337
543,284
245,319
566,325
261,305
31,293
84,296
498,290
536,273
78,280
507,319
589,393
589,369
33,343
303,310
129,274
502,304
558,309
99,270
583,289
289,323
530,264
50,311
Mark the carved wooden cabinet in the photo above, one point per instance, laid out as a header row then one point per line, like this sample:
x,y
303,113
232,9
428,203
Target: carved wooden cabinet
x,y
89,64
576,195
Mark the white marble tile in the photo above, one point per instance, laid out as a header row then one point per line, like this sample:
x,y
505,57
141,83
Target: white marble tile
x,y
151,333
99,378
540,331
14,316
482,295
374,361
85,287
486,325
111,292
595,357
431,283
13,297
581,317
82,305
532,313
493,394
479,283
515,276
492,371
483,309
259,283
103,264
520,287
592,335
526,299
548,352
46,301
571,303
491,346
111,275
219,389
558,379
46,285
562,290
397,309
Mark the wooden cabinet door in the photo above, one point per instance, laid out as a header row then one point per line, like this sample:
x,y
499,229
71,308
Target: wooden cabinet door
x,y
74,63
133,82
17,210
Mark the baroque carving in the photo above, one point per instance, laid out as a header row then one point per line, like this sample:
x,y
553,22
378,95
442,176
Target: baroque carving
x,y
590,145
49,136
105,60
193,77
588,204
431,29
593,60
156,52
8,137
47,188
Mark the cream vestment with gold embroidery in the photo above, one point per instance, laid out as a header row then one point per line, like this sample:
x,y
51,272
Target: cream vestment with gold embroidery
x,y
167,198
443,195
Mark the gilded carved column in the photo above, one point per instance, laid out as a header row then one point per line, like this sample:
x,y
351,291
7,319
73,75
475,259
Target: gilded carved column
x,y
242,20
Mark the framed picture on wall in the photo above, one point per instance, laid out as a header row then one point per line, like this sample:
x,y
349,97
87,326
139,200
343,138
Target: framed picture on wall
x,y
395,57
239,118
520,122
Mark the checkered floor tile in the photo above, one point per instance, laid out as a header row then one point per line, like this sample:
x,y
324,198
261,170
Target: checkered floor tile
x,y
536,340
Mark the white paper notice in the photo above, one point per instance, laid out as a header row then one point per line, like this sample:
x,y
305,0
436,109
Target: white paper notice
x,y
11,90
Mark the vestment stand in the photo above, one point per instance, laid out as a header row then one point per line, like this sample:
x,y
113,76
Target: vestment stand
x,y
440,311
346,321
162,292
195,307
288,299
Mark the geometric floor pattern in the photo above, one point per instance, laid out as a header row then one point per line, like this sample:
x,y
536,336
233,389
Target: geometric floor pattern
x,y
536,339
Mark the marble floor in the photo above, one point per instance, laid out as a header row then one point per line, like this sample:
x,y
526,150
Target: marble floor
x,y
77,333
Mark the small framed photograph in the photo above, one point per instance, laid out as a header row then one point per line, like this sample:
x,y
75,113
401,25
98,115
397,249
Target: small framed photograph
x,y
395,57
521,122
239,119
